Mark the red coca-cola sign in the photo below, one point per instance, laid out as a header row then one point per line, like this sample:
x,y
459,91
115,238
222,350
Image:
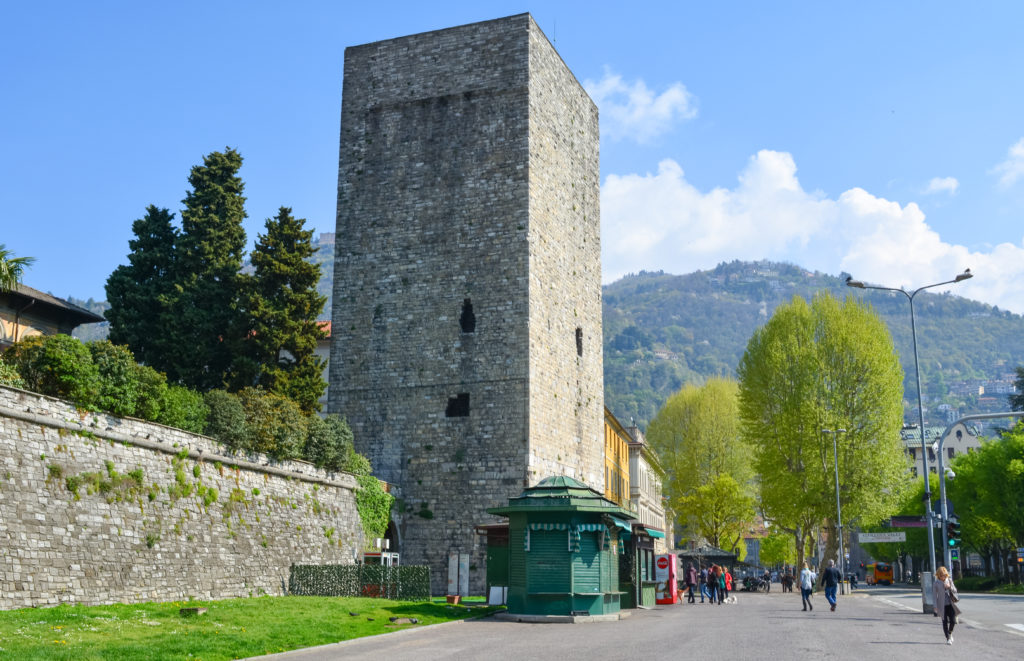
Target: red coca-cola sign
x,y
662,563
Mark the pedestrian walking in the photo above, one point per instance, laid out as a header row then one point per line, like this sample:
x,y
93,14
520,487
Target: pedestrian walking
x,y
720,584
807,578
713,583
830,579
944,600
704,584
728,582
768,580
690,578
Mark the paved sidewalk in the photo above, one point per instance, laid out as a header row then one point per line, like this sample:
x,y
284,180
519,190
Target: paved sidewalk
x,y
760,626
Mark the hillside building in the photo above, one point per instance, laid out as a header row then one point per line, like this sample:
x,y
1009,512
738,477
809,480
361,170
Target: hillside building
x,y
25,312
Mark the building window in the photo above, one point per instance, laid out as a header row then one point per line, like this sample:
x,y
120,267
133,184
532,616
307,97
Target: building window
x,y
950,452
932,470
458,406
913,471
467,320
579,341
913,453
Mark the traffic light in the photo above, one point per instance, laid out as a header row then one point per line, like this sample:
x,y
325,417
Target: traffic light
x,y
953,533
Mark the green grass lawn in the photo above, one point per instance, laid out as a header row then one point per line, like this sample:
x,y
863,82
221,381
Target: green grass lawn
x,y
230,629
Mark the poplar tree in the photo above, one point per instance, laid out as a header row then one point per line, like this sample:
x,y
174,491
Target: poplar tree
x,y
140,292
697,437
206,319
281,304
827,365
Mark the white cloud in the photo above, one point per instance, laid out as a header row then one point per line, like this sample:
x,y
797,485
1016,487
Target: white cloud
x,y
942,185
661,221
1012,168
632,110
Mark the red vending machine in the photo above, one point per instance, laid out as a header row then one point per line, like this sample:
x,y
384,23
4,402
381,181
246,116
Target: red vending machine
x,y
665,574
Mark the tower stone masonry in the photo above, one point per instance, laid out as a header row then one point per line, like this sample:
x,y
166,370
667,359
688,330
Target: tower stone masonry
x,y
466,335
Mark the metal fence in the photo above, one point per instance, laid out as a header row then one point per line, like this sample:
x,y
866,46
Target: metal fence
x,y
403,582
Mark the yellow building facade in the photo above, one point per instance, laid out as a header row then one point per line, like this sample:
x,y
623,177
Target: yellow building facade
x,y
616,461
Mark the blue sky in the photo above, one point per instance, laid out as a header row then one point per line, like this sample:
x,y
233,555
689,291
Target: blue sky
x,y
884,139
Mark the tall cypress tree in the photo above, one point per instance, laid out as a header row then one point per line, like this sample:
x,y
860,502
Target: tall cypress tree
x,y
282,305
140,292
206,315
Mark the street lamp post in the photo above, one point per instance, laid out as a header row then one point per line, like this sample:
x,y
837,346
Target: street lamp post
x,y
839,509
850,282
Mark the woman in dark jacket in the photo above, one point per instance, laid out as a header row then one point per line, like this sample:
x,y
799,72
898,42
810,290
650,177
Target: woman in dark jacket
x,y
691,580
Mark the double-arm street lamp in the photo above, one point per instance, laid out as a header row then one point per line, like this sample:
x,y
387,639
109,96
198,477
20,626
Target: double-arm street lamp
x,y
850,282
839,509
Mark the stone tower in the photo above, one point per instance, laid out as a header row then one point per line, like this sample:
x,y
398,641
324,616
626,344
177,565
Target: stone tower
x,y
466,350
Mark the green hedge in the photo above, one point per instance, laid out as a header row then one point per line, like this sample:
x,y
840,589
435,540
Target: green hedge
x,y
405,583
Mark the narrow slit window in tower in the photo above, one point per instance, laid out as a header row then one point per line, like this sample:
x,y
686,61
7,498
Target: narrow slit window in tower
x,y
579,341
468,320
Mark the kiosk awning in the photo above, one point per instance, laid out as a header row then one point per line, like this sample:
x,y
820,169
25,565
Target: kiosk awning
x,y
654,533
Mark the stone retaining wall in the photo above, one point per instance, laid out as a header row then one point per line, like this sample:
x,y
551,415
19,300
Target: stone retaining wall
x,y
96,509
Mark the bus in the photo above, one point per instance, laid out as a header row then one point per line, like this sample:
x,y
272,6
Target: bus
x,y
878,573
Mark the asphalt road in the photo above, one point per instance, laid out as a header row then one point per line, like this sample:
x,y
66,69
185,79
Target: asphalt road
x,y
985,611
760,626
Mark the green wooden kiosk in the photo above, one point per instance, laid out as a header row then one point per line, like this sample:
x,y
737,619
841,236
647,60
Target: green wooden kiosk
x,y
564,546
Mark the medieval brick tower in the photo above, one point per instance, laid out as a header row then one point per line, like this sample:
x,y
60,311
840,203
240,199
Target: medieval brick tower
x,y
466,348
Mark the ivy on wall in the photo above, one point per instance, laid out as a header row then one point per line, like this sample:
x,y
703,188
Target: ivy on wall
x,y
374,505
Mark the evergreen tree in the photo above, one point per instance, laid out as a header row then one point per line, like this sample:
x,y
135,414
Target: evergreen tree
x,y
139,292
282,304
1017,399
205,323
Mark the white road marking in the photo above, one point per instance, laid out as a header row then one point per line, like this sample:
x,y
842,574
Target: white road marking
x,y
1018,627
896,604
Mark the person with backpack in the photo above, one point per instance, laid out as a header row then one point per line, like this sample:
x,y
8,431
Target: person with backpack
x,y
704,584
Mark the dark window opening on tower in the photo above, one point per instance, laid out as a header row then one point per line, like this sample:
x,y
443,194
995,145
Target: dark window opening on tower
x,y
458,406
468,319
579,341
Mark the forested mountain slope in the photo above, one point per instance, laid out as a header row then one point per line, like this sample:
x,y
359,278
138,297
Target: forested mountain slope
x,y
662,331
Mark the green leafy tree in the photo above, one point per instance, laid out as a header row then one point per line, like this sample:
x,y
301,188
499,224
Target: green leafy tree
x,y
282,304
140,292
989,493
696,435
778,549
12,268
58,366
329,443
183,408
824,365
205,322
9,375
226,419
720,511
120,389
274,424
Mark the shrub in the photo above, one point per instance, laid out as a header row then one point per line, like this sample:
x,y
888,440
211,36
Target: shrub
x,y
226,420
58,366
183,408
9,375
152,392
276,425
328,443
119,378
